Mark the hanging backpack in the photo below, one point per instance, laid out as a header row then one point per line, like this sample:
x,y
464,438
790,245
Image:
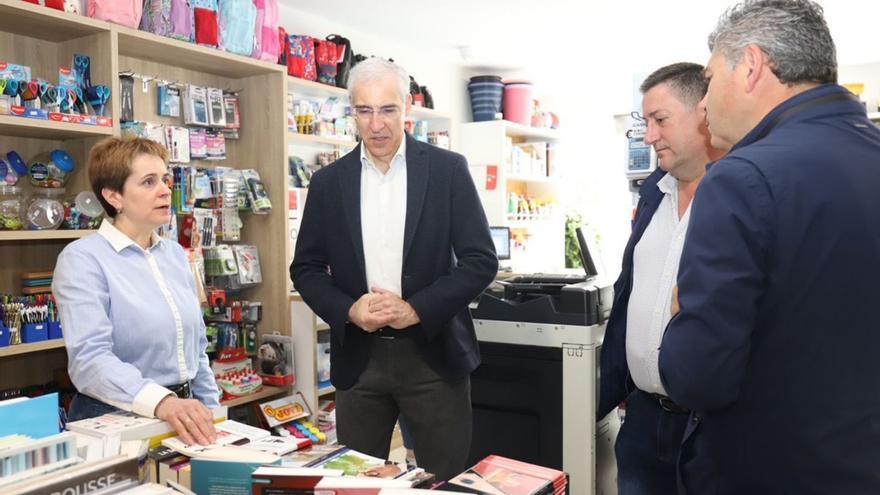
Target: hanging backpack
x,y
284,45
327,56
238,20
123,12
301,57
170,18
205,15
266,42
345,60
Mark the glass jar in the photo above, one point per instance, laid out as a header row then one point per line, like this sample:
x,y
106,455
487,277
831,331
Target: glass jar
x,y
45,210
51,170
10,208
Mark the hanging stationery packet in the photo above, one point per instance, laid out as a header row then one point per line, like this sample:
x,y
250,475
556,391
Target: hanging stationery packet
x,y
237,25
123,12
266,43
206,22
169,100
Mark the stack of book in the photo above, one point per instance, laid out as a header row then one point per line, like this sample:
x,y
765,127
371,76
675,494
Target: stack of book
x,y
496,475
359,465
36,283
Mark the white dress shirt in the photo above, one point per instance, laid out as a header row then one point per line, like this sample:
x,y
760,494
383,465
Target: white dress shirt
x,y
655,271
132,321
383,218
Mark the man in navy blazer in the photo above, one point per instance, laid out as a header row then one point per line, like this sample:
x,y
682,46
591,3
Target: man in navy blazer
x,y
776,347
393,246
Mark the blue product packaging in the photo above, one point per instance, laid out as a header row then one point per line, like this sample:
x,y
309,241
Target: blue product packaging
x,y
34,332
55,330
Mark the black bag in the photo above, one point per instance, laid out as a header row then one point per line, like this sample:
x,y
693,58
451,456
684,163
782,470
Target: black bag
x,y
346,64
429,101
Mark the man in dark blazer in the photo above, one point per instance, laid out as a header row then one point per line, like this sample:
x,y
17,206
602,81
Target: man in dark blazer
x,y
393,246
648,441
776,347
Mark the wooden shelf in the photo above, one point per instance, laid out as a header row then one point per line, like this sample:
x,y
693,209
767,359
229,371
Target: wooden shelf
x,y
264,393
15,350
42,235
422,113
322,140
299,86
147,46
45,23
326,391
47,129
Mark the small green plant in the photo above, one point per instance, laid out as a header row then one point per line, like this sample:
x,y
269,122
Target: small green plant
x,y
572,251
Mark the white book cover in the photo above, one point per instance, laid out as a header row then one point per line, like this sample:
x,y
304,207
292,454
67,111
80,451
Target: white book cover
x,y
278,445
241,430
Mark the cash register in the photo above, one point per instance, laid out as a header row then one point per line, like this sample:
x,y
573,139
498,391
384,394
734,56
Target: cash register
x,y
534,395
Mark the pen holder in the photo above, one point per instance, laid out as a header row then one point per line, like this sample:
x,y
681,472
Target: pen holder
x,y
4,335
55,330
34,332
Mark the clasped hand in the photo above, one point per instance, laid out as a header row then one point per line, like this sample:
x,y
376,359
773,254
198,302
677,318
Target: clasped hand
x,y
380,308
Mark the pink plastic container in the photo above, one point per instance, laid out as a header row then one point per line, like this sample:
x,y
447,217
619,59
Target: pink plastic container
x,y
518,102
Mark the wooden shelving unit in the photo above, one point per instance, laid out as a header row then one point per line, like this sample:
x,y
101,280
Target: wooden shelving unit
x,y
264,393
13,126
17,350
43,235
45,39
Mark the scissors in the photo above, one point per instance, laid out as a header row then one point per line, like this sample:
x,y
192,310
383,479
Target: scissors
x,y
98,96
52,96
81,64
31,91
79,102
12,88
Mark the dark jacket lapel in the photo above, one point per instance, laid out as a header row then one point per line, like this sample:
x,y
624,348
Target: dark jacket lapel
x,y
350,184
416,188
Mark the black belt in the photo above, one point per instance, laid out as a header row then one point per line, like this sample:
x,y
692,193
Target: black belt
x,y
391,334
667,405
182,391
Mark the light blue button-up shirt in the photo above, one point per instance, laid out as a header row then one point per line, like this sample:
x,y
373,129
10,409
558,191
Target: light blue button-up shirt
x,y
131,320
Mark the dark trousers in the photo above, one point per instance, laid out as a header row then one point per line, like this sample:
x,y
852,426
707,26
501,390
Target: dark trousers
x,y
647,447
85,407
398,382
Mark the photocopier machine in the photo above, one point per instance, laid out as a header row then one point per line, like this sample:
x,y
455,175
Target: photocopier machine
x,y
534,395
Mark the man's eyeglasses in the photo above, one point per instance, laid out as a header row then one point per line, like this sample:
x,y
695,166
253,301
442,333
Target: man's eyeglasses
x,y
388,112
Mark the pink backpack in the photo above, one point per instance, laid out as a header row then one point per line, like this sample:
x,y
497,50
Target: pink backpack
x,y
267,46
123,12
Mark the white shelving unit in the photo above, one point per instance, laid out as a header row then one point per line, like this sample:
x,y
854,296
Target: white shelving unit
x,y
538,238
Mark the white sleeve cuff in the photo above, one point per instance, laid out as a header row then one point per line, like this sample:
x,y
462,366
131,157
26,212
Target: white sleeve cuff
x,y
148,398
